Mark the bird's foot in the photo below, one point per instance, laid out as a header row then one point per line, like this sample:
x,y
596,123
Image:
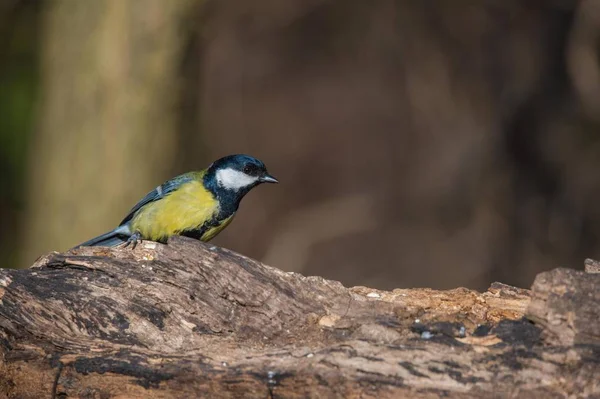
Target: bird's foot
x,y
133,240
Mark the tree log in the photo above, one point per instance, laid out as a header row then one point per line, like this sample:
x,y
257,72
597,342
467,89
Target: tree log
x,y
188,319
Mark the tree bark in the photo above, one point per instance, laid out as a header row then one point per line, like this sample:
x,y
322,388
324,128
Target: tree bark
x,y
188,319
108,114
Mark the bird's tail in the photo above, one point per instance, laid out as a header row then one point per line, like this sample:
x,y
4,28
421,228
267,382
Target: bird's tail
x,y
110,239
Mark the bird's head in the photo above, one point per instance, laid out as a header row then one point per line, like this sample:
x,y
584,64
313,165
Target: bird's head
x,y
238,174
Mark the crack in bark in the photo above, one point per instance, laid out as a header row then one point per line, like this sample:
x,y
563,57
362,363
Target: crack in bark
x,y
56,378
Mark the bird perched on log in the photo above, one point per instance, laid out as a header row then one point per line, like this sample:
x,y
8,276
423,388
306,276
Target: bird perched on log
x,y
196,204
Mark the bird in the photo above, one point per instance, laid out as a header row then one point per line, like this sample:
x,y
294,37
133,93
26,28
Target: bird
x,y
198,204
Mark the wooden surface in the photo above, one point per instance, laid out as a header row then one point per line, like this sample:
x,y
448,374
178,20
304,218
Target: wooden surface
x,y
191,320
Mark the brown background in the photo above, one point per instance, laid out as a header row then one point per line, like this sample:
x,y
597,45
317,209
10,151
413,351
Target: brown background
x,y
418,143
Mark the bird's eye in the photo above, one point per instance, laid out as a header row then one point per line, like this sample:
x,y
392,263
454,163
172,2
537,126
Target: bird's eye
x,y
249,169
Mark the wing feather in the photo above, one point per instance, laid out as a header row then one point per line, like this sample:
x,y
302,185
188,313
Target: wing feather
x,y
161,191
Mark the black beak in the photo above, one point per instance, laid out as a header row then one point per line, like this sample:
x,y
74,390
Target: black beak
x,y
267,178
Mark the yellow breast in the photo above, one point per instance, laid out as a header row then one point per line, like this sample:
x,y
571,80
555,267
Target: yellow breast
x,y
213,231
185,208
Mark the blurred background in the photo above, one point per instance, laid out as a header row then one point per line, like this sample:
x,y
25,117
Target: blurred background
x,y
418,143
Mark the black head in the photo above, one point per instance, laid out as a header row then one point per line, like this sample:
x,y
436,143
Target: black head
x,y
238,174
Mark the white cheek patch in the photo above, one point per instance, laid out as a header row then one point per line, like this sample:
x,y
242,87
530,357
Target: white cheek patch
x,y
232,179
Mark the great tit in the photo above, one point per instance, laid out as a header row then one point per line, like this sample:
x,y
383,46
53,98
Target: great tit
x,y
196,204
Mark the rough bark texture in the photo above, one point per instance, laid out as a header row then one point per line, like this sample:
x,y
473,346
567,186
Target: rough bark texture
x,y
190,320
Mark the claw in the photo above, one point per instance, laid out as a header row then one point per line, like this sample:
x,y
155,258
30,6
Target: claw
x,y
134,239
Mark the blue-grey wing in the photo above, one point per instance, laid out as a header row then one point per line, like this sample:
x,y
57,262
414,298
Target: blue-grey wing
x,y
160,192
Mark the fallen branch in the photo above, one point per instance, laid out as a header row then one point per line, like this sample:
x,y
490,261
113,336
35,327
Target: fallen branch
x,y
190,320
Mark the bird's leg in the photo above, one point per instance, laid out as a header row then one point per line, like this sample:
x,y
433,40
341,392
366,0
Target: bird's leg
x,y
134,239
